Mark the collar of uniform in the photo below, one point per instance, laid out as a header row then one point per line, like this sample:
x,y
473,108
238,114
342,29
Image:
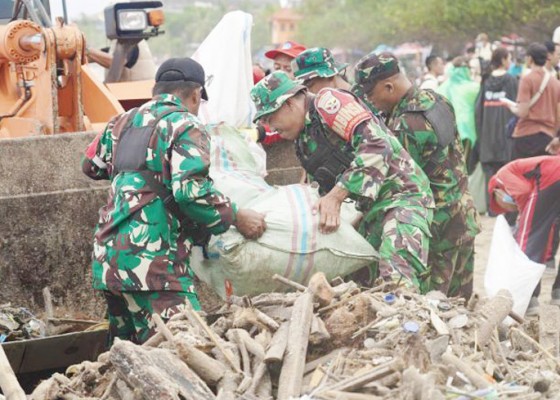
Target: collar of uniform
x,y
169,100
406,103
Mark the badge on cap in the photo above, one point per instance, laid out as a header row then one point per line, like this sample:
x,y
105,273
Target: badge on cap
x,y
286,46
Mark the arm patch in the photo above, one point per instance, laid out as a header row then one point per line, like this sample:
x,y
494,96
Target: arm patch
x,y
341,111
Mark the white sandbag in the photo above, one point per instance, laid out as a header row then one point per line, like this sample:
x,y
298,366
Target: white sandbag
x,y
292,246
225,55
237,164
509,268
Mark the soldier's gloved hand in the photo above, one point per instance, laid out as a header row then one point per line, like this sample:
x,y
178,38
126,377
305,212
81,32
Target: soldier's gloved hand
x,y
328,207
250,224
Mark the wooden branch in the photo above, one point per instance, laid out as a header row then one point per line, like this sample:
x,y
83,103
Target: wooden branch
x,y
227,386
210,370
157,373
494,312
355,382
211,335
475,378
8,381
277,347
242,336
288,282
291,375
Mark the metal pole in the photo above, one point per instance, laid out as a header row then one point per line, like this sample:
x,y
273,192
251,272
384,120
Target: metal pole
x,y
64,12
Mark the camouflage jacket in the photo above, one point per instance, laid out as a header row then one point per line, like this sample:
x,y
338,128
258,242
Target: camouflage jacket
x,y
382,174
444,164
138,244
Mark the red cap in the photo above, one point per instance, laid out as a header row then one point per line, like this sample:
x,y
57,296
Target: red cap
x,y
289,48
258,74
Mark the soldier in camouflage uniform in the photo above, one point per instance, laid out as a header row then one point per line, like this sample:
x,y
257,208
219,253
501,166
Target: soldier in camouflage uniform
x,y
142,245
316,69
424,123
340,144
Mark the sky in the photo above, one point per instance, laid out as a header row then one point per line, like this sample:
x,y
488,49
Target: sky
x,y
78,7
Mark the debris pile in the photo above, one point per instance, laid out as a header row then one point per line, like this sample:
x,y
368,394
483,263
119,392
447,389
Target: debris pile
x,y
330,341
18,323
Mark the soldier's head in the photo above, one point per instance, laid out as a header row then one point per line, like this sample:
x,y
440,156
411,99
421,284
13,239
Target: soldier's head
x,y
280,103
184,78
316,69
380,80
283,56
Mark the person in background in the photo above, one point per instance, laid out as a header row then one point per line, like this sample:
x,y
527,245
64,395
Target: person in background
x,y
493,115
538,107
483,47
553,58
436,69
532,187
283,56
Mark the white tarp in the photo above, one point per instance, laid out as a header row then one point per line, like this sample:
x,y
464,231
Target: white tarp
x,y
225,56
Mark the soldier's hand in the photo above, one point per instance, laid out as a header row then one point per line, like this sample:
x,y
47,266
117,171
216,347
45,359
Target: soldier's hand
x,y
328,208
250,224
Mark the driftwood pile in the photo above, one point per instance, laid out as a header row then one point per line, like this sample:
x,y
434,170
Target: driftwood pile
x,y
331,341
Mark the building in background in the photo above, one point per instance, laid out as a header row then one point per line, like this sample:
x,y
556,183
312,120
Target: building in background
x,y
284,24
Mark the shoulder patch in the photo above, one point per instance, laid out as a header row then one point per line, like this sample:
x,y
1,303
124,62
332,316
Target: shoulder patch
x,y
340,111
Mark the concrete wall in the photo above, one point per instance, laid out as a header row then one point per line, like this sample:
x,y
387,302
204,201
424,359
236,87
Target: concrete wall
x,y
48,210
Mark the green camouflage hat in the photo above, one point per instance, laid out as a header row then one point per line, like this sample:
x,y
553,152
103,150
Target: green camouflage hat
x,y
317,62
375,67
273,91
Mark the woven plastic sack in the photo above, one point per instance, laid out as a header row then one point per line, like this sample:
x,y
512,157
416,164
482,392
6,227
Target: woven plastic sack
x,y
237,164
509,268
292,246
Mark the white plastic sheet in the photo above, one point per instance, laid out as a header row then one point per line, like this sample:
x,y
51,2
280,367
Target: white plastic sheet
x,y
225,56
509,268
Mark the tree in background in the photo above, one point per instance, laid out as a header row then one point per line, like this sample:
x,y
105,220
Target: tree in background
x,y
447,24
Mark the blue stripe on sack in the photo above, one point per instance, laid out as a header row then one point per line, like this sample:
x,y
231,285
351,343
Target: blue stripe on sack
x,y
297,190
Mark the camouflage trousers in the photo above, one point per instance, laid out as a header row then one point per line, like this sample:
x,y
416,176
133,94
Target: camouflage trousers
x,y
130,313
402,246
451,256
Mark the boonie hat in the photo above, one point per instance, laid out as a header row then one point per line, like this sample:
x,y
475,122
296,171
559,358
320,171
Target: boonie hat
x,y
182,69
289,48
375,67
317,62
273,91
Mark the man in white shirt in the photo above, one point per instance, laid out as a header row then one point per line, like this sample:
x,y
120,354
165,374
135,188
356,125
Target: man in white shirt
x,y
436,69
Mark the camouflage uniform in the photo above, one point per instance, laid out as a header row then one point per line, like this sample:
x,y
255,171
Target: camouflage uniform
x,y
455,225
141,255
390,189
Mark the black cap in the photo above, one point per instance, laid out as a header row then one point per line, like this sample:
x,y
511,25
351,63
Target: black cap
x,y
182,69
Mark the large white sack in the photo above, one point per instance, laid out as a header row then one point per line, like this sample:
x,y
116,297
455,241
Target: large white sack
x,y
225,55
292,246
509,268
237,164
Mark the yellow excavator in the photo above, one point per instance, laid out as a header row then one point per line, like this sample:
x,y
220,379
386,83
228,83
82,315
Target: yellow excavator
x,y
51,107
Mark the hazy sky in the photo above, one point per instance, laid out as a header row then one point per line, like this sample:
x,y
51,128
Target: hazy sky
x,y
77,7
